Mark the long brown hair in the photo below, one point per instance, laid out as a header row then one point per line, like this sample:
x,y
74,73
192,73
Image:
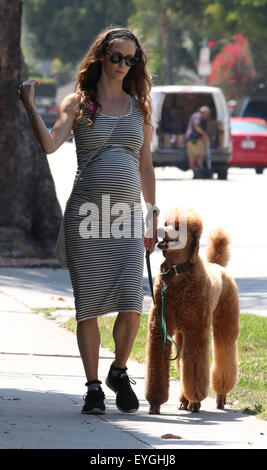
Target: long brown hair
x,y
136,83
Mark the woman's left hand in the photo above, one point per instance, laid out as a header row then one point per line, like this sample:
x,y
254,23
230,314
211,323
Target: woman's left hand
x,y
151,241
150,244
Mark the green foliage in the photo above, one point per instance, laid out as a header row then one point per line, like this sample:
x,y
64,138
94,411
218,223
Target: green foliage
x,y
33,68
251,389
172,31
63,73
248,17
175,22
65,28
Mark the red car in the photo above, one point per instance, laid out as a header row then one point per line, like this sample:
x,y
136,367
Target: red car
x,y
249,139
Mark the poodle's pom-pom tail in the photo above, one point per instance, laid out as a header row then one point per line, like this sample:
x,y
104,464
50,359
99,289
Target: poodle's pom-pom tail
x,y
218,247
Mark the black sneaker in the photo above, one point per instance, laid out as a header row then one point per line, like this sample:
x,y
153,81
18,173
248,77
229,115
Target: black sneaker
x,y
126,400
94,399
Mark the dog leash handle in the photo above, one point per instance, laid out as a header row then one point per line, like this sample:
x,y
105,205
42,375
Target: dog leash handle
x,y
161,320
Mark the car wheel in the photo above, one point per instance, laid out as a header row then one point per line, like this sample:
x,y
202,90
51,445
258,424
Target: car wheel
x,y
259,170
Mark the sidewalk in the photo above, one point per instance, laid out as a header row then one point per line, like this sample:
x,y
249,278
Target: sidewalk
x,y
42,383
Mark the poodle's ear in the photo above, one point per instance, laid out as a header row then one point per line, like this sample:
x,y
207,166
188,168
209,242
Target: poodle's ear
x,y
194,248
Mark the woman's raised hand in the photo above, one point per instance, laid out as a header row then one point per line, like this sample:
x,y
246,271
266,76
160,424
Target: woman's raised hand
x,y
26,92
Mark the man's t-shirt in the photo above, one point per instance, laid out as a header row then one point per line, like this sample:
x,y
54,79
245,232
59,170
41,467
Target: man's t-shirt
x,y
194,120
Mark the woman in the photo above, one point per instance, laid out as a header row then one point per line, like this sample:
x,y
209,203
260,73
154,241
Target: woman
x,y
106,270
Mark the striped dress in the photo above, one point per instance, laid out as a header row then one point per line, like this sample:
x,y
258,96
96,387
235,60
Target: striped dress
x,y
104,226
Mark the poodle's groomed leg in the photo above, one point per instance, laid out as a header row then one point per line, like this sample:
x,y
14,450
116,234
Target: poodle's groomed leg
x,y
157,365
183,401
224,372
194,366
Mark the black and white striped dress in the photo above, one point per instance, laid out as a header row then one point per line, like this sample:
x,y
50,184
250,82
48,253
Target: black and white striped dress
x,y
104,226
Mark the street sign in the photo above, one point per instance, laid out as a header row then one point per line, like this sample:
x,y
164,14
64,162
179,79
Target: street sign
x,y
204,65
204,54
204,69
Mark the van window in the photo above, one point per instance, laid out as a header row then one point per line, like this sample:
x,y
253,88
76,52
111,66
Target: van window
x,y
177,109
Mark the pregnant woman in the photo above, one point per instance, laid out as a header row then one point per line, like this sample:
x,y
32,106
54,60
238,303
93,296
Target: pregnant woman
x,y
106,263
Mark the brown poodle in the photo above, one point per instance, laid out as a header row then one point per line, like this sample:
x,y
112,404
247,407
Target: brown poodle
x,y
200,294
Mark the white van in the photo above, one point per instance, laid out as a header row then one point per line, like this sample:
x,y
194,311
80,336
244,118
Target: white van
x,y
172,107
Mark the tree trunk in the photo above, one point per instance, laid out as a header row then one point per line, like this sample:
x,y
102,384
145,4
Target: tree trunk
x,y
30,214
165,34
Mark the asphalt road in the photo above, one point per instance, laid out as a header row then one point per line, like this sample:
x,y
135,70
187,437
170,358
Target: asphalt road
x,y
237,204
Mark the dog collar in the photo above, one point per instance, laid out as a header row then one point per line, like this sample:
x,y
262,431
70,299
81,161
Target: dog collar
x,y
174,270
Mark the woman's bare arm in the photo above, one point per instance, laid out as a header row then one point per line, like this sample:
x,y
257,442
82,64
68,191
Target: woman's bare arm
x,y
148,184
146,168
49,141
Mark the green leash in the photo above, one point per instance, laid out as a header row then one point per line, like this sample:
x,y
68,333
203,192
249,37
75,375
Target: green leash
x,y
161,320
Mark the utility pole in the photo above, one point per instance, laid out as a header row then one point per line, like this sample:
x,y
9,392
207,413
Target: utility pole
x,y
204,65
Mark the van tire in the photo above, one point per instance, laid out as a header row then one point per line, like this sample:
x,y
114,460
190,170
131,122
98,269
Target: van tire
x,y
222,174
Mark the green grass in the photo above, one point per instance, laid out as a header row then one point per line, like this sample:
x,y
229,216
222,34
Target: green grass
x,y
50,312
250,393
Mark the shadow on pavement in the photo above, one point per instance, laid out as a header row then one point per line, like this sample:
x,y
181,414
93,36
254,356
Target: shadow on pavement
x,y
33,419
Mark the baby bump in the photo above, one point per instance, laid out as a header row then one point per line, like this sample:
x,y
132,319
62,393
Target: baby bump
x,y
108,197
114,173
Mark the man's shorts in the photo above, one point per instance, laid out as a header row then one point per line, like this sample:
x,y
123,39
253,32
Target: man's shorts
x,y
195,150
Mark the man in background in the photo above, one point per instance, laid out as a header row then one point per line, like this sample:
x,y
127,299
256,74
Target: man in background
x,y
197,139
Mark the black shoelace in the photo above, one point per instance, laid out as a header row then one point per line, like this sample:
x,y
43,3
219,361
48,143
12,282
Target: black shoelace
x,y
130,379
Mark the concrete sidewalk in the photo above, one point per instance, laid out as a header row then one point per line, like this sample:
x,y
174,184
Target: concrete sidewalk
x,y
42,384
30,277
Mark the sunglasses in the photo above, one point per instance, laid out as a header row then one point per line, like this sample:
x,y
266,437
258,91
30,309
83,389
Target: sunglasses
x,y
117,58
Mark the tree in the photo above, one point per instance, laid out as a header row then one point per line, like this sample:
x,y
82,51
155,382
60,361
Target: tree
x,y
30,214
64,29
233,69
164,24
165,31
167,27
246,17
